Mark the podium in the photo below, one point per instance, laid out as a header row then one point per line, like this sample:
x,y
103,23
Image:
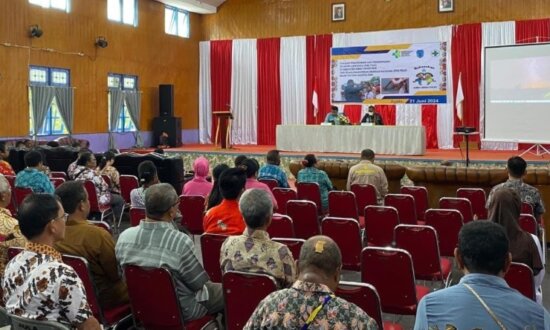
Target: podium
x,y
223,128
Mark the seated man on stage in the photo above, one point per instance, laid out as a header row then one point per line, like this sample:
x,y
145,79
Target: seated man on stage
x,y
336,118
372,117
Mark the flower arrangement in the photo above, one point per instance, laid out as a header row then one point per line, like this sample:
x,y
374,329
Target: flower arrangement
x,y
343,120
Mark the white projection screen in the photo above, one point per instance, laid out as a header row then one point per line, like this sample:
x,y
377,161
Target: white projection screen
x,y
517,93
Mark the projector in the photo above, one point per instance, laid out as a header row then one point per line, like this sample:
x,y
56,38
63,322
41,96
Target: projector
x,y
465,129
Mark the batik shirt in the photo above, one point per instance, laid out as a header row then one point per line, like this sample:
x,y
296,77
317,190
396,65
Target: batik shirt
x,y
38,285
254,252
312,174
270,171
290,308
34,179
83,173
527,193
113,174
9,229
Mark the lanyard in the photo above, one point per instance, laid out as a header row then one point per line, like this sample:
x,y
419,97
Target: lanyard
x,y
316,311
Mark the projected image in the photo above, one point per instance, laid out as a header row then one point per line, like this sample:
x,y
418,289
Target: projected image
x,y
359,91
397,85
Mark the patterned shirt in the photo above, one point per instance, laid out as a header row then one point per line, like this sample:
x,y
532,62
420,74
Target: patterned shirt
x,y
290,308
225,218
527,193
367,173
71,170
254,252
158,244
113,174
137,197
5,168
34,179
270,171
9,229
312,174
83,173
38,285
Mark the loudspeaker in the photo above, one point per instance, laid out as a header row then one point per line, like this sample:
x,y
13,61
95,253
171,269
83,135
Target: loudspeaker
x,y
166,100
170,125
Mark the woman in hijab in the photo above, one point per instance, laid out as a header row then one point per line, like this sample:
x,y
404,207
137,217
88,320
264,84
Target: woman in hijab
x,y
198,185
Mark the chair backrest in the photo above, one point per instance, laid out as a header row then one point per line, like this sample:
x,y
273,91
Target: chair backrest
x,y
242,293
281,226
282,196
527,208
165,312
520,277
101,224
346,232
364,296
304,216
379,224
420,195
462,205
192,212
57,181
271,183
447,224
391,272
20,193
56,174
342,204
405,206
136,215
92,196
21,323
127,184
107,179
365,195
310,191
293,244
528,223
477,198
211,245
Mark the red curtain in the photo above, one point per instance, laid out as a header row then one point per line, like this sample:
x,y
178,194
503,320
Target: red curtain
x,y
466,54
269,89
220,78
532,31
429,121
387,112
353,112
318,76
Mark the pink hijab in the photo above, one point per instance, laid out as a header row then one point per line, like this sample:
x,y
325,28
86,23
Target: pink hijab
x,y
198,185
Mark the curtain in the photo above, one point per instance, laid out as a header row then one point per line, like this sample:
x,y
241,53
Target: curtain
x,y
353,112
244,91
117,99
65,104
445,123
310,78
269,89
323,44
293,80
220,79
429,121
531,31
387,112
408,115
42,97
205,94
133,101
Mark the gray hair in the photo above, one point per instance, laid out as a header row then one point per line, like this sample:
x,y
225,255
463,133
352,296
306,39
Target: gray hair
x,y
159,198
256,207
4,184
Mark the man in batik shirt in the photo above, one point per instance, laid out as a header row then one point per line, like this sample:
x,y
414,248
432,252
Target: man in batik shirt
x,y
9,227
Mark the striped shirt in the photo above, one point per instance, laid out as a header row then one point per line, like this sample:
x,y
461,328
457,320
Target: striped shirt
x,y
158,244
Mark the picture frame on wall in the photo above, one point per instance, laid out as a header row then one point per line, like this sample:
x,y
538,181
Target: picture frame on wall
x,y
446,6
338,12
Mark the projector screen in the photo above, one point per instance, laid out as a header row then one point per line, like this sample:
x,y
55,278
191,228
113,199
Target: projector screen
x,y
517,93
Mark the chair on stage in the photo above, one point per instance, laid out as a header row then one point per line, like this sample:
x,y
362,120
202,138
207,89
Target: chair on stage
x,y
282,196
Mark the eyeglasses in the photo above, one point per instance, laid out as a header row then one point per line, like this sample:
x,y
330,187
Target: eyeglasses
x,y
65,216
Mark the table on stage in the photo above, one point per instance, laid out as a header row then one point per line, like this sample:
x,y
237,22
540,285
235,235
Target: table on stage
x,y
386,140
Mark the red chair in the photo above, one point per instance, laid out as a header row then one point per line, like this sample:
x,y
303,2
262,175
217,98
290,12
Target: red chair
x,y
346,232
405,206
365,297
520,277
365,195
527,208
62,175
421,243
271,183
420,195
342,204
20,194
391,272
477,198
13,251
127,184
447,224
281,226
103,210
379,224
101,224
304,216
136,215
57,181
310,191
211,245
242,292
107,180
528,223
282,196
293,244
192,212
462,205
165,312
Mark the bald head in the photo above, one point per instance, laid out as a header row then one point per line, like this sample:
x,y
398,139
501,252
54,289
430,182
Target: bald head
x,y
322,253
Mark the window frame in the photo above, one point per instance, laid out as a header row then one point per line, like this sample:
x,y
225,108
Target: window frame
x,y
177,12
120,19
42,3
123,118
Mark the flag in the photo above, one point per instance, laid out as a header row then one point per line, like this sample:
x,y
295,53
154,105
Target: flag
x,y
315,100
459,98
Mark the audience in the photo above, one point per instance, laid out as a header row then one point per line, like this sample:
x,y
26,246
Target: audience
x,y
33,175
5,167
199,185
106,168
251,167
215,196
155,242
9,227
319,270
272,169
93,243
253,251
226,218
37,284
367,173
72,166
147,174
238,161
311,174
483,299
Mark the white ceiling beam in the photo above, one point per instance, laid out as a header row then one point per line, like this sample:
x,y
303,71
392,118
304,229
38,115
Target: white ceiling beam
x,y
194,6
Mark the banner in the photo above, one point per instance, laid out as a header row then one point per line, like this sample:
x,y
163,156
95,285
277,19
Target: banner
x,y
408,73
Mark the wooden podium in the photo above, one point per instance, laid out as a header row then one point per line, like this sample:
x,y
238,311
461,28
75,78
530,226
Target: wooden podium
x,y
223,128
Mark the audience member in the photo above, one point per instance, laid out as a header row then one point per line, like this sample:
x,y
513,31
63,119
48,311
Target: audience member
x,y
72,166
33,176
21,145
37,284
93,243
215,196
106,168
147,174
155,242
5,167
367,173
272,169
238,161
251,167
199,185
253,251
9,227
483,299
226,218
310,302
311,174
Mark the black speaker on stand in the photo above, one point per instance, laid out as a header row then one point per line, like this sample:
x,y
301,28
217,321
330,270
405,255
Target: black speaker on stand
x,y
166,122
166,100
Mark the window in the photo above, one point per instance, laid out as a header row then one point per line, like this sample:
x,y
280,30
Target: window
x,y
123,11
176,22
124,82
45,76
56,4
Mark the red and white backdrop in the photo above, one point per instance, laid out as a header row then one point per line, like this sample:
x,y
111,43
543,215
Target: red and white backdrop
x,y
272,81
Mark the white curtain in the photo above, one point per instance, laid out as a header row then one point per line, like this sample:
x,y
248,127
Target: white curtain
x,y
293,80
244,91
445,116
205,94
408,114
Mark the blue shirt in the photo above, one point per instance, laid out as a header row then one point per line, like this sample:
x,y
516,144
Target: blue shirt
x,y
312,174
270,171
330,118
34,179
458,307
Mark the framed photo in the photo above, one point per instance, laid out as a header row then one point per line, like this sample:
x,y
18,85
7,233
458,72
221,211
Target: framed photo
x,y
338,12
446,6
